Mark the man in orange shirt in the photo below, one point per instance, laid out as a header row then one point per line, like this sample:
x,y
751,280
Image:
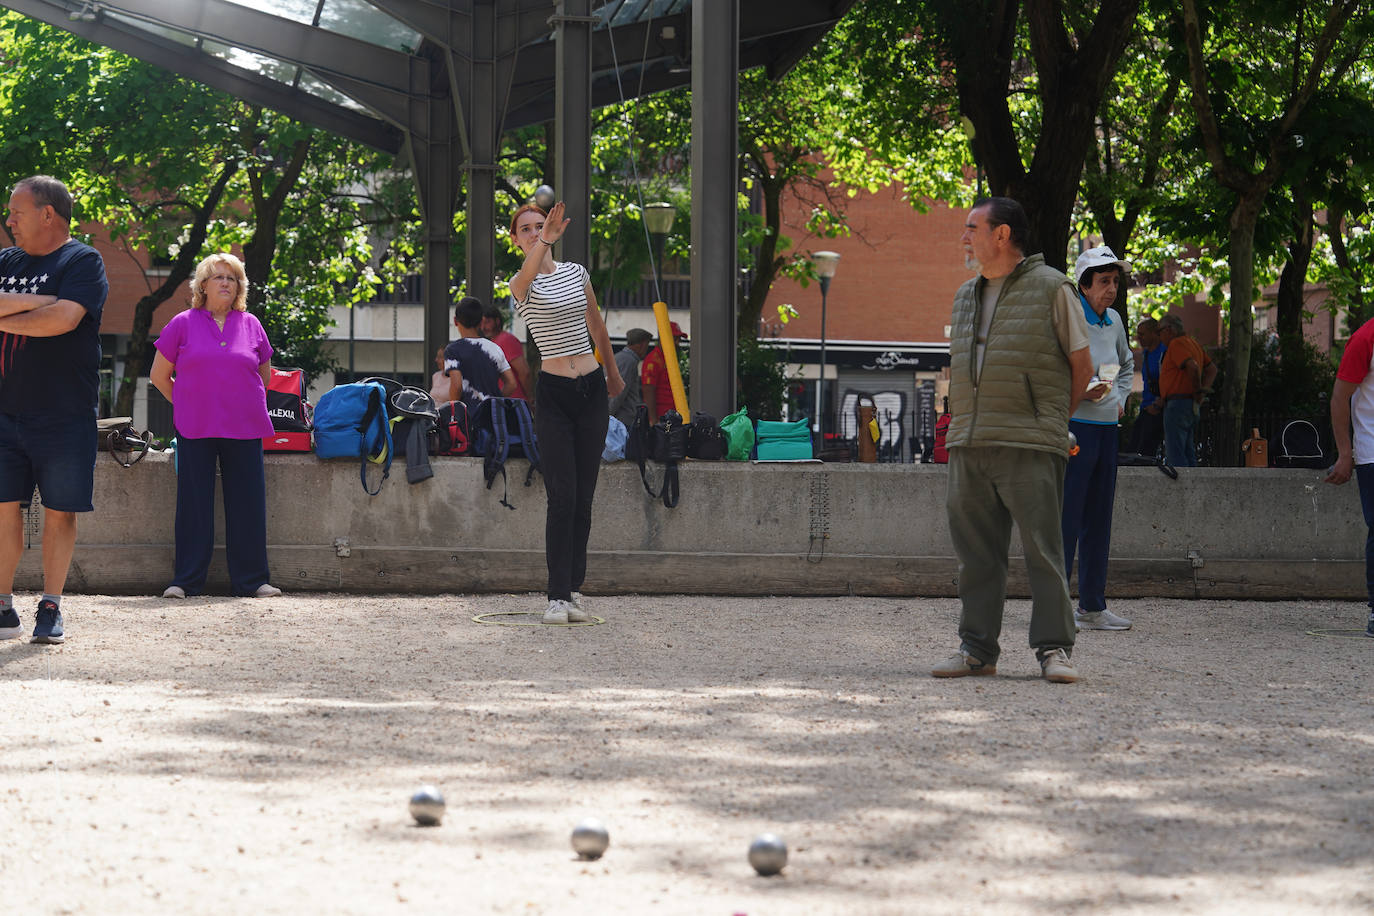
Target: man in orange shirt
x,y
653,379
1186,374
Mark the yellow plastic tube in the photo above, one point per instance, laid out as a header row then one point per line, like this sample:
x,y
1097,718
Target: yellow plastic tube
x,y
668,343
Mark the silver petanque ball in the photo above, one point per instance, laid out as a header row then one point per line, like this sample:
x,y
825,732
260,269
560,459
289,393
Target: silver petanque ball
x,y
590,838
427,806
768,854
544,196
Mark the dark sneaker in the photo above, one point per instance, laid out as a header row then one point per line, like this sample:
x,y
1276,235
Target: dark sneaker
x,y
10,628
1368,631
49,625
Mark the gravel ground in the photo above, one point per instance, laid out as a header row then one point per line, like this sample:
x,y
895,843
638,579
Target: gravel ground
x,y
221,755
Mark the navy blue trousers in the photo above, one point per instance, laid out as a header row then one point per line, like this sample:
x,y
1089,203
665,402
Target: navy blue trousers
x,y
1089,491
245,513
1364,475
571,426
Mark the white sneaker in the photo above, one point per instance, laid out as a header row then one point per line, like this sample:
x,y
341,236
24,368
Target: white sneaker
x,y
1100,620
174,591
557,612
575,612
1057,668
266,591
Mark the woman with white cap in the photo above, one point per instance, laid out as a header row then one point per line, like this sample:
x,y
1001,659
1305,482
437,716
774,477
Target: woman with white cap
x,y
1090,481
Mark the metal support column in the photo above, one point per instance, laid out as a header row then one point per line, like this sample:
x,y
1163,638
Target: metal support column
x,y
483,134
715,182
430,141
573,133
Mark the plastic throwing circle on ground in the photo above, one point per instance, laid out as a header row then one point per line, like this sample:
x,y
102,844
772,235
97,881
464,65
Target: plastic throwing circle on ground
x,y
1341,634
534,619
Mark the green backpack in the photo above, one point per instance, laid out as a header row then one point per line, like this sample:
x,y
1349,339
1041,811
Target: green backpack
x,y
740,431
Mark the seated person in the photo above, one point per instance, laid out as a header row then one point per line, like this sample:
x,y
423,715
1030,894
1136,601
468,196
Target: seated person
x,y
476,367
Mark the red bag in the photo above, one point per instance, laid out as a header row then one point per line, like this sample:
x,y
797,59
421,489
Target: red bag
x,y
286,403
290,412
454,434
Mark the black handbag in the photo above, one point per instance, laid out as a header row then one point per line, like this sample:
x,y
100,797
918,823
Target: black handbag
x,y
664,442
705,439
125,444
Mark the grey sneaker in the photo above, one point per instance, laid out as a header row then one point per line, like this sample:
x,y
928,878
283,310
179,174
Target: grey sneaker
x,y
1100,620
557,612
1368,631
1057,668
174,591
575,612
963,665
267,590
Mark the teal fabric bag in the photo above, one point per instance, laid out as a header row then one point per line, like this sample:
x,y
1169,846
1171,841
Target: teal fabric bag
x,y
775,429
740,432
784,449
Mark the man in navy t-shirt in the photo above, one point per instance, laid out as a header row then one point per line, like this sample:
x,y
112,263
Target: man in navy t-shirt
x,y
477,368
52,292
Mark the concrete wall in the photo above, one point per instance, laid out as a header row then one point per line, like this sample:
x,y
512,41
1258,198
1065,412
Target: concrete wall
x,y
804,529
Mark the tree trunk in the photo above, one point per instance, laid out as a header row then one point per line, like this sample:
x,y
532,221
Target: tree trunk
x,y
1241,252
259,251
1289,304
1356,309
183,267
766,263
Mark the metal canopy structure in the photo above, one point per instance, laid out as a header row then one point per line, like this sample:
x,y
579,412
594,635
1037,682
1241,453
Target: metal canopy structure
x,y
438,81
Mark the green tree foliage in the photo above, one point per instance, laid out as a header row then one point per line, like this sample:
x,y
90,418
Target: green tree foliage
x,y
1025,79
172,168
149,157
1255,68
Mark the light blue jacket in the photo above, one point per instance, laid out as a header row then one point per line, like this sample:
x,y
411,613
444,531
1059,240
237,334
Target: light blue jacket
x,y
1107,344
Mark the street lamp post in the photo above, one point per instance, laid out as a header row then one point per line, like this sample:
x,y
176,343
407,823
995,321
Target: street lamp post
x,y
658,219
825,263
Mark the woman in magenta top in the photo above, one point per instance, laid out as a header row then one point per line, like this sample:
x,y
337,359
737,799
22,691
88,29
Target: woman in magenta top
x,y
213,362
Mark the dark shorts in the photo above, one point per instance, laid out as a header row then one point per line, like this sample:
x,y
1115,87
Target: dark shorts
x,y
56,453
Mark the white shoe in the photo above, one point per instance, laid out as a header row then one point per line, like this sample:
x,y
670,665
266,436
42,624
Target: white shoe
x,y
575,612
1100,620
557,612
174,591
266,591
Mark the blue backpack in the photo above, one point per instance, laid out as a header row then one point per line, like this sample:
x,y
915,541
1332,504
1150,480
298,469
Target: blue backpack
x,y
351,422
501,428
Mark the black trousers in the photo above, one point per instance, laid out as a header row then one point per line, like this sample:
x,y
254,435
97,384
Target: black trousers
x,y
1147,435
570,423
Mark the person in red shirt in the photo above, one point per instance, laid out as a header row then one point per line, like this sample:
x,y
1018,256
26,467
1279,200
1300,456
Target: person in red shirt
x,y
653,379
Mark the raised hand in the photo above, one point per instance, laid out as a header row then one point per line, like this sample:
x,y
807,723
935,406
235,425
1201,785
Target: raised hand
x,y
555,224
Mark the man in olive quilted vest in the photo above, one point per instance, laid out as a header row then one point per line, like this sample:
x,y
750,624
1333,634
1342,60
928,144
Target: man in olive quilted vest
x,y
1019,365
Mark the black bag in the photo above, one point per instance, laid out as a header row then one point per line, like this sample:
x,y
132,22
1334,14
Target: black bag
x,y
1300,446
454,434
415,423
502,428
125,444
705,439
637,437
664,442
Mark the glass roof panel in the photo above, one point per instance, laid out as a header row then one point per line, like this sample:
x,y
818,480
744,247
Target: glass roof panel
x,y
327,92
354,18
269,67
155,28
624,12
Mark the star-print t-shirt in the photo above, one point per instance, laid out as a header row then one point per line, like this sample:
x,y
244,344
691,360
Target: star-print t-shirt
x,y
59,374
